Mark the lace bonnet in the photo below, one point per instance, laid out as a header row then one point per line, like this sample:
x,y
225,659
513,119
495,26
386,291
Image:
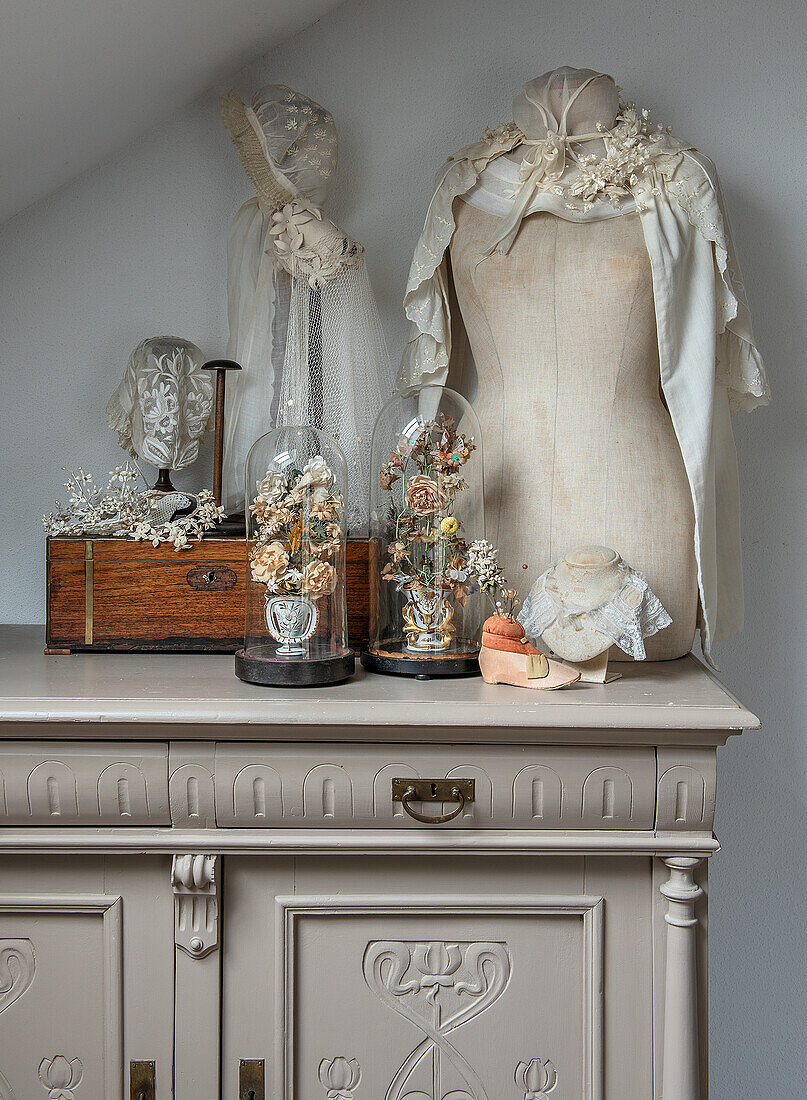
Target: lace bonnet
x,y
287,144
164,403
303,319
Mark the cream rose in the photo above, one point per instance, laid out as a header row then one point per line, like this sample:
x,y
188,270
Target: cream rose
x,y
319,579
270,562
315,473
424,496
272,487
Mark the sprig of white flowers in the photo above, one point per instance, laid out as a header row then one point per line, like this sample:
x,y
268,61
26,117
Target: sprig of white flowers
x,y
482,563
122,510
630,149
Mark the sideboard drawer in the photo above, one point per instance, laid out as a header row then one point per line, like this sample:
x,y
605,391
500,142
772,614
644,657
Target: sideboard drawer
x,y
69,783
515,787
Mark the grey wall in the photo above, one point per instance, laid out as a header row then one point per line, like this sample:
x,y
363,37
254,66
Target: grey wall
x,y
139,247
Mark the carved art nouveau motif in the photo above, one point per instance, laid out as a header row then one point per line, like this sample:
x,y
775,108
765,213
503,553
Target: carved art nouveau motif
x,y
340,1077
537,1078
438,987
60,1077
17,969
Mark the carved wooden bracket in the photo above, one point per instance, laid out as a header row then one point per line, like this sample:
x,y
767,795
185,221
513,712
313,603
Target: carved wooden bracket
x,y
196,904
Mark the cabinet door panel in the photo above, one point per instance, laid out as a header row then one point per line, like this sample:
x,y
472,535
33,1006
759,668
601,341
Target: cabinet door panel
x,y
86,975
61,976
404,978
435,998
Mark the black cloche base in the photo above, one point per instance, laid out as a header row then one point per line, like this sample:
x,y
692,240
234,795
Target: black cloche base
x,y
276,672
423,668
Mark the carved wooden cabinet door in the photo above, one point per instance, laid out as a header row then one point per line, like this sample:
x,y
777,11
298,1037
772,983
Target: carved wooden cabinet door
x,y
86,975
433,979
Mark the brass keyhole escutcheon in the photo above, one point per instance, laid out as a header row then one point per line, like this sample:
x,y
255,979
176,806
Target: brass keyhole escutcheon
x,y
142,1081
251,1079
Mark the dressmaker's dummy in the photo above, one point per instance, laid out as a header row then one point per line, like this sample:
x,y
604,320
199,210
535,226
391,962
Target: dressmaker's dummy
x,y
555,339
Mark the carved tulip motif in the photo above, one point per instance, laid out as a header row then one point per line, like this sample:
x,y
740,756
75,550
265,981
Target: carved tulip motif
x,y
438,963
536,1078
60,1077
339,1076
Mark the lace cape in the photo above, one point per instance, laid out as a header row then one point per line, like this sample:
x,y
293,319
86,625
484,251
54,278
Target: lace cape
x,y
632,614
303,319
676,175
710,364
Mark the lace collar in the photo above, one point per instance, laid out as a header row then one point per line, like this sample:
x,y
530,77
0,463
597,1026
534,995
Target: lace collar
x,y
632,613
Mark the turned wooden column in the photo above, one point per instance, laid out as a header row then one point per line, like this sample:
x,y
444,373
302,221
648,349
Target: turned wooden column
x,y
680,1065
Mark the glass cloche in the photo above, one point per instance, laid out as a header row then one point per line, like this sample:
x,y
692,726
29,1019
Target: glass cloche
x,y
296,619
426,507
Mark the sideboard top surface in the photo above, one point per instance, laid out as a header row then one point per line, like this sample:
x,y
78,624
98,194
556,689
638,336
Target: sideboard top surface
x,y
198,696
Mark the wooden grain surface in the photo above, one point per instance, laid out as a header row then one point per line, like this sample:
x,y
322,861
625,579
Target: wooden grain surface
x,y
150,598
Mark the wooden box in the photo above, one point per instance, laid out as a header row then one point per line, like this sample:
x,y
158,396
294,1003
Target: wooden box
x,y
119,595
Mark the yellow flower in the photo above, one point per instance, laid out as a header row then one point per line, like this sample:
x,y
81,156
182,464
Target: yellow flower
x,y
450,525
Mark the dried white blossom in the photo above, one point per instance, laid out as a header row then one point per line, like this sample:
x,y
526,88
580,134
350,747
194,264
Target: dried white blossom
x,y
122,510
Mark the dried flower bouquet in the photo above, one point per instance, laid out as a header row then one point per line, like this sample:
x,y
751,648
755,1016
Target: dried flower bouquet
x,y
299,533
424,537
123,510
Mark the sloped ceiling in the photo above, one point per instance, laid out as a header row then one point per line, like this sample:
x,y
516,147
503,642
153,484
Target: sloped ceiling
x,y
80,79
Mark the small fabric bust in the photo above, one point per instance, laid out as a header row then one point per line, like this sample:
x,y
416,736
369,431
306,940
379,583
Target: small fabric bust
x,y
600,601
164,403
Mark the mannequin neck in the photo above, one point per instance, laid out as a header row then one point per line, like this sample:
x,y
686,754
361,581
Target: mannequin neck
x,y
588,578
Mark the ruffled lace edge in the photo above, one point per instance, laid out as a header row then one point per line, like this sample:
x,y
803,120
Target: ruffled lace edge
x,y
428,350
121,422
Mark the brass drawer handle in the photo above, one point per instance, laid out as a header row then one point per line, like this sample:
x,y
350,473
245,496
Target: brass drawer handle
x,y
461,791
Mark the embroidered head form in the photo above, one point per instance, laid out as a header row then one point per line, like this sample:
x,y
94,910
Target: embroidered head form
x,y
164,403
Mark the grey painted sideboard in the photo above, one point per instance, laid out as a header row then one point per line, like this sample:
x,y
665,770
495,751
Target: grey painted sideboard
x,y
208,885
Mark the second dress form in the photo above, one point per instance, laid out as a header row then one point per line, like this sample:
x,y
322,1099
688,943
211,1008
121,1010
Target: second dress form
x,y
579,446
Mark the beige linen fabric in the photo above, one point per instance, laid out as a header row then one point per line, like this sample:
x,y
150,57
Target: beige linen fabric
x,y
579,447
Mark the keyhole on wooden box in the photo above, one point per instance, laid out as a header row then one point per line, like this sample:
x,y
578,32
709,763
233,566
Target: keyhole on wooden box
x,y
434,789
210,577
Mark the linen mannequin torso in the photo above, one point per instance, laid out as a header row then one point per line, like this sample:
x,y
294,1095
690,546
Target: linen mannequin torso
x,y
579,446
587,177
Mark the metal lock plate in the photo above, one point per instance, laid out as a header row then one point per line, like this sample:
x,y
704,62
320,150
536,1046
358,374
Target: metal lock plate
x,y
251,1079
459,791
433,790
141,1081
